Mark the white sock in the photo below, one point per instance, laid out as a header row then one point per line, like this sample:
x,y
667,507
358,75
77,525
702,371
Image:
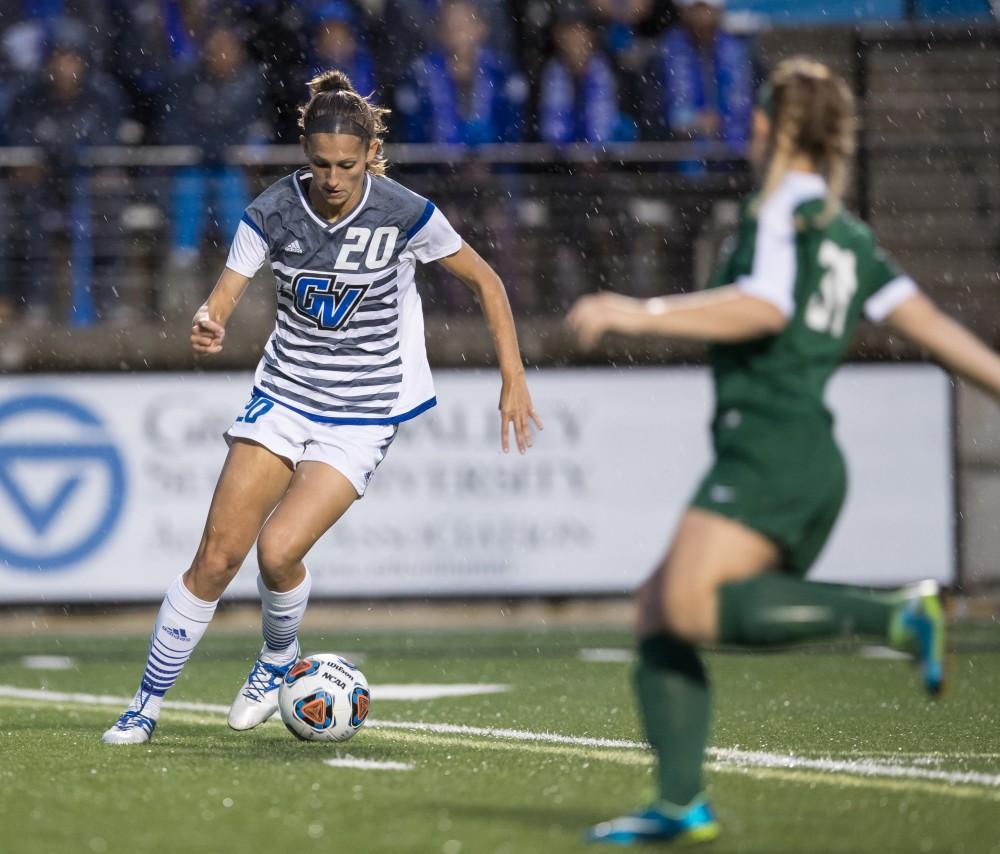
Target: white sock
x,y
281,615
180,624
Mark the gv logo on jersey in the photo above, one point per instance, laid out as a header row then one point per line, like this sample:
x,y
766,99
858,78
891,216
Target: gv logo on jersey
x,y
62,483
325,301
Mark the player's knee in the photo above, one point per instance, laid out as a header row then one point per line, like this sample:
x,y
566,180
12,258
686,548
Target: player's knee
x,y
276,557
685,608
217,561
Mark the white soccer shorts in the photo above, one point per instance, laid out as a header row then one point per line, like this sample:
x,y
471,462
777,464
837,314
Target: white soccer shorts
x,y
353,450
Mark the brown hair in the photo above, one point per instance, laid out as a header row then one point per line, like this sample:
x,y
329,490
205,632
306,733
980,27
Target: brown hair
x,y
812,113
333,99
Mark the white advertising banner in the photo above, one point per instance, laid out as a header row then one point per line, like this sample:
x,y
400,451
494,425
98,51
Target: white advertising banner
x,y
105,482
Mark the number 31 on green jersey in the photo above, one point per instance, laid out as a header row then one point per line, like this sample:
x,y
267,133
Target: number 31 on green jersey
x,y
827,309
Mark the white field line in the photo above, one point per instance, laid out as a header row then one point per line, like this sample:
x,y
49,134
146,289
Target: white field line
x,y
511,734
368,764
726,756
605,655
379,692
883,653
722,757
936,755
644,758
824,778
48,662
860,767
433,692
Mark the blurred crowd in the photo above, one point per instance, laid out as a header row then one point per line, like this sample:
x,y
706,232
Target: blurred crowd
x,y
217,73
211,74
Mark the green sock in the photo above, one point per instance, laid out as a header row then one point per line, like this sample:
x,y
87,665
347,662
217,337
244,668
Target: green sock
x,y
674,699
774,609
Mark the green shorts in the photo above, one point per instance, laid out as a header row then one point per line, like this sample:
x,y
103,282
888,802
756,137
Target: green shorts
x,y
784,480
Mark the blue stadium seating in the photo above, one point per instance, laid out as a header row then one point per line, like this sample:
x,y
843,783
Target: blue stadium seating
x,y
780,12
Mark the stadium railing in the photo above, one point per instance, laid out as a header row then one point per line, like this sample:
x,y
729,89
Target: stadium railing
x,y
642,218
95,254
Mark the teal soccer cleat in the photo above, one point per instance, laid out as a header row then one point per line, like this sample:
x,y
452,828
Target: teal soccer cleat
x,y
919,628
694,825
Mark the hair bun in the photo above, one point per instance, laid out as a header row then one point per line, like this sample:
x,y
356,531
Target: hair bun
x,y
331,81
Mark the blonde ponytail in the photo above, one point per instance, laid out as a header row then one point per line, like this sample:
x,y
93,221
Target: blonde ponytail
x,y
812,113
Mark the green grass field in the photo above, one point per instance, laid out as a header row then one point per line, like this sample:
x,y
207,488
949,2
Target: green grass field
x,y
816,751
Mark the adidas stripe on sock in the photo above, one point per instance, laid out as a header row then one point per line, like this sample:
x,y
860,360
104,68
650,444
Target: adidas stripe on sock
x,y
180,624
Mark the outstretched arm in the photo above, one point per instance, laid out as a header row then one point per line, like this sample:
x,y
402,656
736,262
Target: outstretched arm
x,y
721,314
208,327
950,343
515,401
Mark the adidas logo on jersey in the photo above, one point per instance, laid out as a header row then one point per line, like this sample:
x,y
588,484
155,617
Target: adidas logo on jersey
x,y
294,246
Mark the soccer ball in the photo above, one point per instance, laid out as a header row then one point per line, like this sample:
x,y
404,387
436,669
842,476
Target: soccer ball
x,y
324,697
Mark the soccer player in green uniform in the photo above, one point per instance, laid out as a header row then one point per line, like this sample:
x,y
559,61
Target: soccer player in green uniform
x,y
779,311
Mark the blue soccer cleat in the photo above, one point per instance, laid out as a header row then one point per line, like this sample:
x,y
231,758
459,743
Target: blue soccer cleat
x,y
919,627
257,698
133,727
696,824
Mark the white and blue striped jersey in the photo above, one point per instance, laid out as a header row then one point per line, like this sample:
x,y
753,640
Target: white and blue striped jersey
x,y
348,342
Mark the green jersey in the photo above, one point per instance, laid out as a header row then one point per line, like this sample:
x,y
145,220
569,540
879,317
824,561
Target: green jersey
x,y
822,277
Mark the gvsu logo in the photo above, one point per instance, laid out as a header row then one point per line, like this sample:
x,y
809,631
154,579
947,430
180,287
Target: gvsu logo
x,y
325,301
62,483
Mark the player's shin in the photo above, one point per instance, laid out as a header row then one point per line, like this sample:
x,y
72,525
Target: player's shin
x,y
774,610
180,624
281,616
674,699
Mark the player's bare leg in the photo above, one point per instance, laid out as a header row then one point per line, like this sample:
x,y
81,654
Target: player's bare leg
x,y
252,481
317,497
677,610
708,551
717,584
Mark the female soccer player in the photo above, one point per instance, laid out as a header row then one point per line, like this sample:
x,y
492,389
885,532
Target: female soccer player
x,y
343,368
780,311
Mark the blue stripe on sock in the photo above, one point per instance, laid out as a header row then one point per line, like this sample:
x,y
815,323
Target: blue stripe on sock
x,y
170,652
165,664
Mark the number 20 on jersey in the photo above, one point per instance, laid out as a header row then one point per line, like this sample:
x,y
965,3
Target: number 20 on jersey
x,y
374,248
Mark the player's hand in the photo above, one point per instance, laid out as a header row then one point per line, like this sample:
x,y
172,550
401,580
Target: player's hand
x,y
595,314
590,318
206,334
515,411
